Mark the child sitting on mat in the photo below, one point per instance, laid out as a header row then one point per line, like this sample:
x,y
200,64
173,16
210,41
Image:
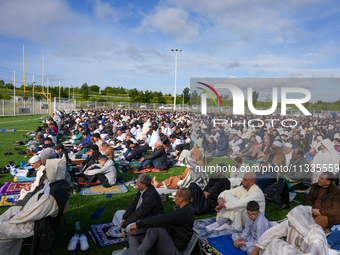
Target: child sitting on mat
x,y
256,225
105,172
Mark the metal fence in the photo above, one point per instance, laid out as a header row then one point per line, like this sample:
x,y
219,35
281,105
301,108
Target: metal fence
x,y
29,107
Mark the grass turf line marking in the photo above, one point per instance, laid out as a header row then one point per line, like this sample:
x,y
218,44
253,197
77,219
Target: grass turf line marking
x,y
16,121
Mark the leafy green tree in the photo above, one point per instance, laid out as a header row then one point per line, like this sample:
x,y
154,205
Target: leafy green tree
x,y
255,97
85,91
9,86
94,88
186,93
195,99
2,84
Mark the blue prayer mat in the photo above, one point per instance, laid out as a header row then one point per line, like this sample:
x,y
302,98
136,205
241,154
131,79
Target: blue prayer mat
x,y
224,245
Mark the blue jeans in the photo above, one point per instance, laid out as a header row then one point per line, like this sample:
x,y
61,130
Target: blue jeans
x,y
129,152
219,153
145,163
263,181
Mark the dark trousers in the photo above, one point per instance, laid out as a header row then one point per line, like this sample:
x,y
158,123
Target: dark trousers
x,y
264,182
138,151
201,204
156,240
100,177
282,190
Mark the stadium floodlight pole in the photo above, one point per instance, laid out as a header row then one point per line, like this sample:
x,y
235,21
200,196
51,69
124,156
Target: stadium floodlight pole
x,y
14,92
176,51
69,91
59,96
33,94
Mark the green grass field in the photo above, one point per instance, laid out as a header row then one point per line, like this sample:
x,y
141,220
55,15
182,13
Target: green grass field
x,y
82,207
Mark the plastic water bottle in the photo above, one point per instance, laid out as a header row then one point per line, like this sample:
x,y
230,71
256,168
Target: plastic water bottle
x,y
78,225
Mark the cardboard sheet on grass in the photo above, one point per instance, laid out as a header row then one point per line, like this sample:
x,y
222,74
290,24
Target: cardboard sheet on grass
x,y
100,190
8,200
13,187
100,236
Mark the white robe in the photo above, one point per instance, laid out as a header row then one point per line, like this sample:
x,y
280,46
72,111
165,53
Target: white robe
x,y
325,160
304,236
236,201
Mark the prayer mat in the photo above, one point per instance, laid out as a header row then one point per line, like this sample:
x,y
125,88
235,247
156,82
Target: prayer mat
x,y
8,200
100,190
99,236
97,213
13,187
148,170
7,130
224,245
81,181
203,233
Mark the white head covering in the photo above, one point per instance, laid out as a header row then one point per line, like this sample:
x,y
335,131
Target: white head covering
x,y
34,159
277,143
289,145
319,138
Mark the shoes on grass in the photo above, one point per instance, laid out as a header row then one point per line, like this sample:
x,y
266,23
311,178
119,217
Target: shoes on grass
x,y
84,245
73,243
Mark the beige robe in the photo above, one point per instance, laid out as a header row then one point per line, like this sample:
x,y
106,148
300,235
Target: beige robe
x,y
21,225
40,172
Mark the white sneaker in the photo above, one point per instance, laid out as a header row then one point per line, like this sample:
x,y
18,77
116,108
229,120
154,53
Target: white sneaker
x,y
84,245
73,243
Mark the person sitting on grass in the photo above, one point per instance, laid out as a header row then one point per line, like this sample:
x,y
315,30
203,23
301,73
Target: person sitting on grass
x,y
324,197
192,174
256,225
303,236
158,158
158,239
232,204
205,201
105,172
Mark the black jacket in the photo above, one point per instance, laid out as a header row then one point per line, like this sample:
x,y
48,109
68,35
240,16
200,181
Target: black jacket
x,y
184,146
151,206
180,224
161,157
221,185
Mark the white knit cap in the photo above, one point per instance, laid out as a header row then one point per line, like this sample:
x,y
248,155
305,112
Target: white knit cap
x,y
289,145
34,159
277,143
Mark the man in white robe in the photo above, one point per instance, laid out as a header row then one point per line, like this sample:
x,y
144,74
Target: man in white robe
x,y
325,160
288,151
232,204
303,236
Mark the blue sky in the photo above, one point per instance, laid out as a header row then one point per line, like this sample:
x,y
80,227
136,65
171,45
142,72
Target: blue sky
x,y
127,43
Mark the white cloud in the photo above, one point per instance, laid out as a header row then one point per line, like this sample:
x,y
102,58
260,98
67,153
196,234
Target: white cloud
x,y
33,19
106,11
172,22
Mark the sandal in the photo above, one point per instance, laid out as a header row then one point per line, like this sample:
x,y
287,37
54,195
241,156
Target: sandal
x,y
207,249
163,198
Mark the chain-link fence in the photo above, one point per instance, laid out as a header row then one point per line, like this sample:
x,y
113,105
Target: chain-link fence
x,y
27,107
